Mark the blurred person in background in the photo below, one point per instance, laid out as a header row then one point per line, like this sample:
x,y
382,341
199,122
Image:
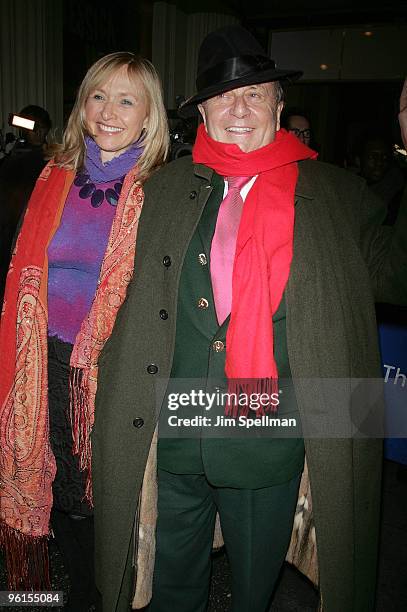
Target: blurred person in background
x,y
37,137
383,176
68,277
392,323
18,173
296,121
403,114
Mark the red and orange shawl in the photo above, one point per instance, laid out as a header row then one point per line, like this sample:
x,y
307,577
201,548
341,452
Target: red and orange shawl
x,y
27,465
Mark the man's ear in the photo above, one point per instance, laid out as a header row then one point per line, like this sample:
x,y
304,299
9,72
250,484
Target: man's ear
x,y
280,107
201,109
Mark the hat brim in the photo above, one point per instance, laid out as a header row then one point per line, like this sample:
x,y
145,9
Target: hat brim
x,y
189,108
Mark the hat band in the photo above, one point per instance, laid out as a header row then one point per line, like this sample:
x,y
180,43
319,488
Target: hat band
x,y
234,68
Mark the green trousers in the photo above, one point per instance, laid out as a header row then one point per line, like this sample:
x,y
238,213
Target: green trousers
x,y
256,526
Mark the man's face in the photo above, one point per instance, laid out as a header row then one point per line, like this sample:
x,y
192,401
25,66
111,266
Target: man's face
x,y
300,127
375,161
247,116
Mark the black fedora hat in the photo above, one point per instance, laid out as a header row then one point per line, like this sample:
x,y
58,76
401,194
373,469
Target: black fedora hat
x,y
229,58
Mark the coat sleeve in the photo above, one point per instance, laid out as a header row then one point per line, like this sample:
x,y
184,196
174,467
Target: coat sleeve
x,y
384,249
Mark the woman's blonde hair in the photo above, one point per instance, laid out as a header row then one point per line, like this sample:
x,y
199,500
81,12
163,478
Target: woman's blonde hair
x,y
155,138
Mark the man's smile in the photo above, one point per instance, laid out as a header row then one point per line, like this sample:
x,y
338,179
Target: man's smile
x,y
239,130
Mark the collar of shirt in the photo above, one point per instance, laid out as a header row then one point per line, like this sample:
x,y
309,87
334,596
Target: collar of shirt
x,y
245,189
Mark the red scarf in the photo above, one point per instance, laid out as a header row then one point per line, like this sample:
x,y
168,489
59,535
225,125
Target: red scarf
x,y
263,256
27,465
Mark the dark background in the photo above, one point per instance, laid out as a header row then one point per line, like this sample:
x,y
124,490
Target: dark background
x,y
93,28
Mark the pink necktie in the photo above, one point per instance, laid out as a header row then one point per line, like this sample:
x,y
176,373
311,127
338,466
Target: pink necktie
x,y
224,245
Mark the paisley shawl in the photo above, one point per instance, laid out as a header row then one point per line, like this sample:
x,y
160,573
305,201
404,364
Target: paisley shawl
x,y
27,464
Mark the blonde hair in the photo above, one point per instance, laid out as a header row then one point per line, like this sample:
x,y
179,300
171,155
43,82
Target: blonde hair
x,y
155,138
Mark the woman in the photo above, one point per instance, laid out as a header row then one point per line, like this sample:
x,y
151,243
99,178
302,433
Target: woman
x,y
67,280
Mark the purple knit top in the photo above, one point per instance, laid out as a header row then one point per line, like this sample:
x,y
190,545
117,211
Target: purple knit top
x,y
75,255
76,251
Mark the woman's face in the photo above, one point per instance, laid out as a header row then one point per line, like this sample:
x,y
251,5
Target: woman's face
x,y
116,113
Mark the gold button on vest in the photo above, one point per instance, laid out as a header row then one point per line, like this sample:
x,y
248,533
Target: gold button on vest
x,y
218,346
202,259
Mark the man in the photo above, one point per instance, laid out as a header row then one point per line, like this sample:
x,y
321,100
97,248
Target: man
x,y
18,173
300,309
381,173
296,121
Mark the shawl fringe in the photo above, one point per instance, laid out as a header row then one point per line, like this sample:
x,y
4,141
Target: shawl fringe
x,y
80,415
26,559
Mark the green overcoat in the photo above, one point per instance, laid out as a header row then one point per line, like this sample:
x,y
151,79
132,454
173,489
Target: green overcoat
x,y
343,260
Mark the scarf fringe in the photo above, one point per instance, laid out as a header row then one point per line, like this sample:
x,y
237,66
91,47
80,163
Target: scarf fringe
x,y
255,387
80,416
27,560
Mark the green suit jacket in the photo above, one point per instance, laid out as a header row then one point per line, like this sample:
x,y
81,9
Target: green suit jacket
x,y
342,259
